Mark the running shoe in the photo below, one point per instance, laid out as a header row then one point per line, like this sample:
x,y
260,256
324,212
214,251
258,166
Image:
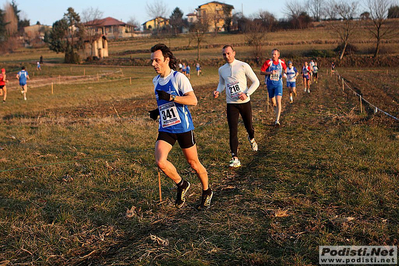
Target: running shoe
x,y
305,90
235,162
308,91
205,201
277,123
181,193
254,145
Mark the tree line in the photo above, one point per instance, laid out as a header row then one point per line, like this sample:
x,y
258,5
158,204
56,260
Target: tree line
x,y
342,19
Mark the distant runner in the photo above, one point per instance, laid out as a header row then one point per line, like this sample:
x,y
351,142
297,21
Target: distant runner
x,y
233,78
198,68
273,70
188,69
311,64
292,73
315,70
3,87
23,76
306,70
174,93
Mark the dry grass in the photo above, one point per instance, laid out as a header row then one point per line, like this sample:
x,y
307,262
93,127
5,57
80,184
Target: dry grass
x,y
79,182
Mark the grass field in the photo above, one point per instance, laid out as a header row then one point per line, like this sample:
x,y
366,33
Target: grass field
x,y
79,182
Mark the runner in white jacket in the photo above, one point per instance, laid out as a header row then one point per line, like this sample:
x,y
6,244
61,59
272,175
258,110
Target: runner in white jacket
x,y
233,78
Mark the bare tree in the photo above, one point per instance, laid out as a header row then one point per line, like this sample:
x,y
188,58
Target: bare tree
x,y
198,34
267,19
133,21
11,19
255,35
157,9
91,18
297,14
379,25
90,14
316,8
345,29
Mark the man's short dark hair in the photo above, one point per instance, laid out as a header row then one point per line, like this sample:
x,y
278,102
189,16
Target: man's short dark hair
x,y
23,68
228,45
167,53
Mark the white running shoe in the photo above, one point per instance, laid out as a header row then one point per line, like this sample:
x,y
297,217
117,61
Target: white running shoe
x,y
308,91
254,145
277,123
235,163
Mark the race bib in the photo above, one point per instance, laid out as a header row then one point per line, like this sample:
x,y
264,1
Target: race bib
x,y
234,89
169,115
275,76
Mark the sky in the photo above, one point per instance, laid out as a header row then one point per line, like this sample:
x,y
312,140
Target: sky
x,y
49,11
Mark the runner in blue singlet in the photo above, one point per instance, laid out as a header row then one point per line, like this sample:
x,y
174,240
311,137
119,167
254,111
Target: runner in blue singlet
x,y
174,93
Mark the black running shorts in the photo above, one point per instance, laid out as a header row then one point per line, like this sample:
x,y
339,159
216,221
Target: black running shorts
x,y
186,140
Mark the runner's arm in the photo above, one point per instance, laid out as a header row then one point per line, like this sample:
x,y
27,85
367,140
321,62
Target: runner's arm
x,y
253,78
221,85
263,70
188,98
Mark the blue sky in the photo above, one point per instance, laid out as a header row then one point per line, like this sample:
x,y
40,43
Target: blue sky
x,y
49,11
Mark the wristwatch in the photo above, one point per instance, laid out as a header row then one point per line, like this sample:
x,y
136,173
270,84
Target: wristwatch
x,y
173,98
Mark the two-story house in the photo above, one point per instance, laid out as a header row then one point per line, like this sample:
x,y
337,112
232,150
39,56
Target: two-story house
x,y
215,14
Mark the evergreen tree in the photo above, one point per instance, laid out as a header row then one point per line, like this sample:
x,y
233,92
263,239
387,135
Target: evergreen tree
x,y
67,36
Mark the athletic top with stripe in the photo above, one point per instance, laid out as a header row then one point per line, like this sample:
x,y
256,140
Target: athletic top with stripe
x,y
233,79
315,69
2,82
269,66
306,70
291,72
174,117
22,77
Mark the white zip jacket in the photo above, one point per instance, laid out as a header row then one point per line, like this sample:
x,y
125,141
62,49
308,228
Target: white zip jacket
x,y
233,79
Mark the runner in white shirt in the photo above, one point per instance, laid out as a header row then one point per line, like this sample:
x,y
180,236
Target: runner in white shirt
x,y
233,78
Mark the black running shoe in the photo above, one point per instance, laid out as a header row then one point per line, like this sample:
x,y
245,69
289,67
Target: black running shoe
x,y
181,193
205,201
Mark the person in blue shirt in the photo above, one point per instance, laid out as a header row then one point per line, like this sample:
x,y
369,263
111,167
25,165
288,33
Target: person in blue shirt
x,y
273,70
174,93
188,69
23,76
291,73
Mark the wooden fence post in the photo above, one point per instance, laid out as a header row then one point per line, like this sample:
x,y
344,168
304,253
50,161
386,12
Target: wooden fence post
x,y
343,84
361,105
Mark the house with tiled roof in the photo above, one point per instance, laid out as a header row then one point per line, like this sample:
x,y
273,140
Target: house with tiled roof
x,y
109,27
155,24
